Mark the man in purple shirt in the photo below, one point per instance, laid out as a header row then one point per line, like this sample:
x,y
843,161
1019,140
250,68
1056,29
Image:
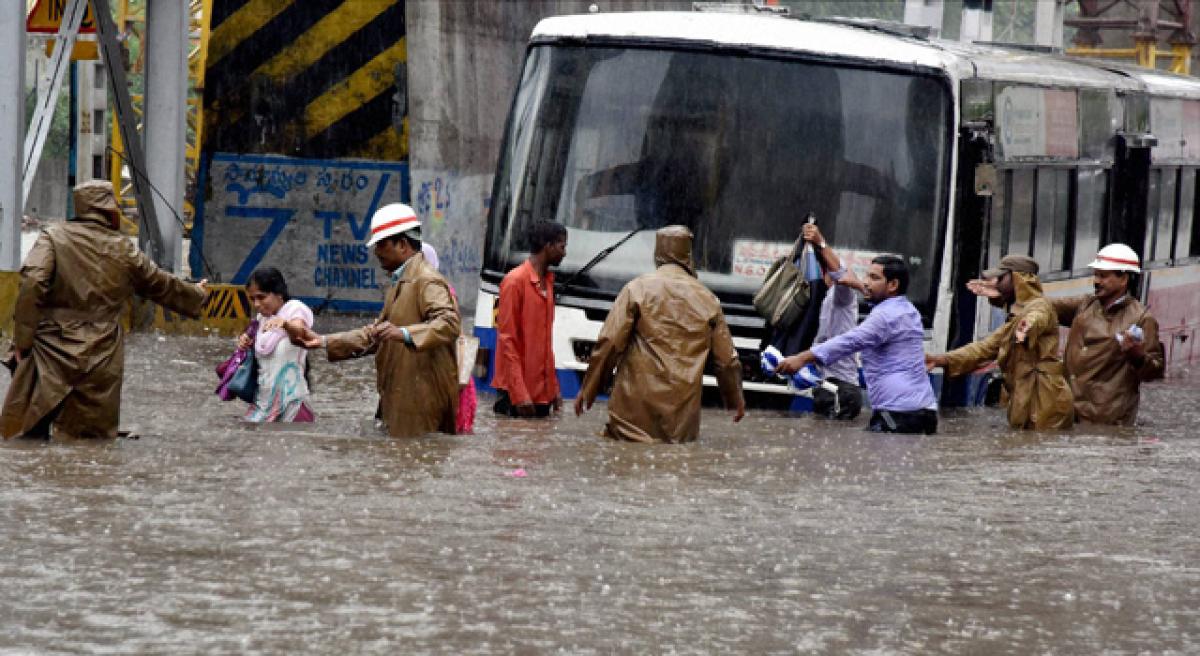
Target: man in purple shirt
x,y
893,357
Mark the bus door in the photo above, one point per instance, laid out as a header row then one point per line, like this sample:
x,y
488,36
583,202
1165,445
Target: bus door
x,y
976,178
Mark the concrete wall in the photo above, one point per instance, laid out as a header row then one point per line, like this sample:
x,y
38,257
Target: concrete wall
x,y
48,195
465,62
303,140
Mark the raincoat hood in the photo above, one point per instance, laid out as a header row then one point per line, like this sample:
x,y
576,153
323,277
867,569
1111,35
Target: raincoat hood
x,y
673,245
93,199
1026,287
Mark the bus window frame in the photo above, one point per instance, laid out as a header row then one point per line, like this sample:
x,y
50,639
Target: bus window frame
x,y
1156,186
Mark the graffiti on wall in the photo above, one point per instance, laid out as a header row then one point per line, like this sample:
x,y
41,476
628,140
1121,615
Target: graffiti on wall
x,y
433,201
308,218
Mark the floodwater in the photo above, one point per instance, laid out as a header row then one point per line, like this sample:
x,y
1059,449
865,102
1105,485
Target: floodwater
x,y
782,535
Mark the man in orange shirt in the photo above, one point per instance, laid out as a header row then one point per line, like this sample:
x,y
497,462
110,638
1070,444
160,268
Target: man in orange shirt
x,y
525,378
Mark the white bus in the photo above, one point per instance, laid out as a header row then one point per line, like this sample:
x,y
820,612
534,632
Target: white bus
x,y
948,154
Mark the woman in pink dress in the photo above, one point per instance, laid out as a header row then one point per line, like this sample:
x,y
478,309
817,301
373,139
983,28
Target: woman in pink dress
x,y
282,365
465,422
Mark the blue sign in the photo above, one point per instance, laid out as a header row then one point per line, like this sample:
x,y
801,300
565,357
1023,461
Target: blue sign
x,y
308,218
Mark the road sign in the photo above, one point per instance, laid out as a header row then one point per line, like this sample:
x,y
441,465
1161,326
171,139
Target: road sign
x,y
48,14
83,51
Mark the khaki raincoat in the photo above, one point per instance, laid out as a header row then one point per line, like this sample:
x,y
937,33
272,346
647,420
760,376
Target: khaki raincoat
x,y
418,383
658,336
1038,394
74,283
1104,379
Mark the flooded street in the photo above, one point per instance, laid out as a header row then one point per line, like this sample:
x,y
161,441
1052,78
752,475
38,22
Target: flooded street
x,y
780,535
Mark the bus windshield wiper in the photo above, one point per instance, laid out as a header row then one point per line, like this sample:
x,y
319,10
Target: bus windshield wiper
x,y
605,252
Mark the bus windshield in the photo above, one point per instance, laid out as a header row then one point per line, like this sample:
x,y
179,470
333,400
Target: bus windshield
x,y
607,140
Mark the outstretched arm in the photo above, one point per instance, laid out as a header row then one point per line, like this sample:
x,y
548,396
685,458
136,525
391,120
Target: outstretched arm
x,y
610,346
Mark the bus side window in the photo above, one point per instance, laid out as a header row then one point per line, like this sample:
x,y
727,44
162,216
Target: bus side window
x,y
1091,186
1160,214
1185,241
1020,223
1051,212
998,220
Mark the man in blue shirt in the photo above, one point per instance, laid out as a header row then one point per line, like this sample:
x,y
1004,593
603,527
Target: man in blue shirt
x,y
893,356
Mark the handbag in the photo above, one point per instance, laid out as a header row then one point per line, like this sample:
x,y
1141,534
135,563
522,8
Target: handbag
x,y
466,349
244,383
227,369
784,293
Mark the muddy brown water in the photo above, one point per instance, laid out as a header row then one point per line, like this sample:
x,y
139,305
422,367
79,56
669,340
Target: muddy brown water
x,y
782,535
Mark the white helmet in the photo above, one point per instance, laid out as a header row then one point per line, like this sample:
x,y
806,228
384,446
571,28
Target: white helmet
x,y
1117,257
392,220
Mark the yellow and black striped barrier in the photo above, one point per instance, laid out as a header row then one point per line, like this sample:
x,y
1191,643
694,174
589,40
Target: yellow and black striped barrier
x,y
226,311
307,78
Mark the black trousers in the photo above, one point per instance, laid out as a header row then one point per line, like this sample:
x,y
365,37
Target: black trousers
x,y
846,404
893,421
504,406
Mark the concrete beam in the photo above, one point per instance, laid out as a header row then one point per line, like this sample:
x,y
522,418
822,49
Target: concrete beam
x,y
928,13
166,120
1048,24
976,21
12,131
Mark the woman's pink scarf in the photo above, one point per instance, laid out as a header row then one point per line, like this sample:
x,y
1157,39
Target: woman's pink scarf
x,y
266,342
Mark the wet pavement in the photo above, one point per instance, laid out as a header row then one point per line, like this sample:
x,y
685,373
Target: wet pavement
x,y
782,535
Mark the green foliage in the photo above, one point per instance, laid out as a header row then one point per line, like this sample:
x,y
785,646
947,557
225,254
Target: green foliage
x,y
59,138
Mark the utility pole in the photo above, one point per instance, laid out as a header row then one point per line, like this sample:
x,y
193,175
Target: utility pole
x,y
166,119
1048,23
925,12
976,21
12,131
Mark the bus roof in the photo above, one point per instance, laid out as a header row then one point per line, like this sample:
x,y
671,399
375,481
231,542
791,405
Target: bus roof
x,y
864,41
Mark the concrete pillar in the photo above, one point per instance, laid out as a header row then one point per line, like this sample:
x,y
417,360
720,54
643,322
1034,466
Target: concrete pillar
x,y
925,12
1048,23
91,122
12,131
166,119
976,21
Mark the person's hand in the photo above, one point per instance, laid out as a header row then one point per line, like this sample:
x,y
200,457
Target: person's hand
x,y
853,282
581,406
558,402
311,340
272,324
385,330
812,234
740,411
244,342
1132,347
934,361
983,287
1022,331
203,285
794,363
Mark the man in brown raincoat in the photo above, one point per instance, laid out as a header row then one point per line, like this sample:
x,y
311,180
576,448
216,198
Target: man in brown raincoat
x,y
68,343
658,336
1107,364
1025,348
413,340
